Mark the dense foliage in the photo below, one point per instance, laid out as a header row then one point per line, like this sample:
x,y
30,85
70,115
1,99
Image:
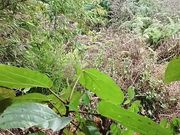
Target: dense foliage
x,y
23,111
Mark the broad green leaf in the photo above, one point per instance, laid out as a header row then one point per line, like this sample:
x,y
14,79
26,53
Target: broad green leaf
x,y
6,93
31,114
131,120
14,77
102,85
173,71
32,97
7,97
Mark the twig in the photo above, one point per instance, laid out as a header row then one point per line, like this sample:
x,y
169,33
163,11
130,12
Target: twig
x,y
77,126
57,96
56,108
10,132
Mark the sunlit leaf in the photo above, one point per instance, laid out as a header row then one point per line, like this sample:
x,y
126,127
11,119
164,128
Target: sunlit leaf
x,y
32,97
173,71
14,77
131,120
102,85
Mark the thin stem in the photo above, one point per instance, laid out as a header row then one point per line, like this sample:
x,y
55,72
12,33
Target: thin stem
x,y
74,87
77,126
57,96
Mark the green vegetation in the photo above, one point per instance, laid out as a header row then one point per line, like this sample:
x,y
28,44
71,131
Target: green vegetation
x,y
26,114
147,19
89,67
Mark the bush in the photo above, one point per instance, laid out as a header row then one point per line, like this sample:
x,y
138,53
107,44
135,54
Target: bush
x,y
40,35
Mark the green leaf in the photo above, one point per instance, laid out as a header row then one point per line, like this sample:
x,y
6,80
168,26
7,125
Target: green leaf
x,y
74,103
131,120
85,99
65,93
32,97
14,77
4,104
115,130
173,71
131,93
127,102
129,132
57,104
91,130
6,93
6,96
176,122
31,114
164,123
135,106
102,85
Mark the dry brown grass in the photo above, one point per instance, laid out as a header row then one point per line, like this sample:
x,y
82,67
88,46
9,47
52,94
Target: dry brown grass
x,y
128,60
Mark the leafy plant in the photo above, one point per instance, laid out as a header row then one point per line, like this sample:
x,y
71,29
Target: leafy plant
x,y
95,81
13,77
102,85
23,111
131,120
31,114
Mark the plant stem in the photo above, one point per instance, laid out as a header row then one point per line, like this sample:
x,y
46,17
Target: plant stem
x,y
57,96
70,97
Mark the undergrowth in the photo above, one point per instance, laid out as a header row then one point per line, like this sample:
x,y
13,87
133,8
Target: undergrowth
x,y
40,34
146,18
